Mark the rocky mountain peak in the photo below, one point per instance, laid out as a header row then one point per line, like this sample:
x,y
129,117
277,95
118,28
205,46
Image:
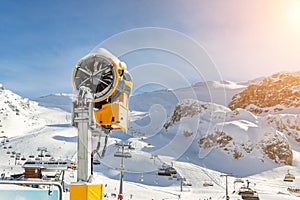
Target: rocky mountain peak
x,y
273,93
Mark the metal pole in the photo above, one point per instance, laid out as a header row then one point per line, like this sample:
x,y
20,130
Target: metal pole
x,y
226,187
226,181
181,184
83,151
122,172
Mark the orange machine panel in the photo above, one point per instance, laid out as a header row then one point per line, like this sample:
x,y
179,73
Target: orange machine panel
x,y
114,115
86,191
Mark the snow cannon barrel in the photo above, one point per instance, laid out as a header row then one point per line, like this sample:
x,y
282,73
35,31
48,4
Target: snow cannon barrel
x,y
110,85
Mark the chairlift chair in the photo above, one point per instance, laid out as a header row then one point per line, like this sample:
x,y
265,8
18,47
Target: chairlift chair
x,y
163,172
96,162
289,177
208,184
172,170
118,154
238,180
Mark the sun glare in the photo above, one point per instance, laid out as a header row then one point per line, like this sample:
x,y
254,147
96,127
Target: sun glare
x,y
295,12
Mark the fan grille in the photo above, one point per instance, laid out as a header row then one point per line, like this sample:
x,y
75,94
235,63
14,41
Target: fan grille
x,y
97,73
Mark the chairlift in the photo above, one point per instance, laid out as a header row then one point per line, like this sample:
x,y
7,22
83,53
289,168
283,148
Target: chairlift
x,y
208,184
172,170
289,177
118,154
127,155
131,147
163,172
187,184
250,196
245,190
124,155
96,162
294,190
238,180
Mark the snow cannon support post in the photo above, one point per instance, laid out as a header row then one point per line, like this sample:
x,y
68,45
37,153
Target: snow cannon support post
x,y
86,191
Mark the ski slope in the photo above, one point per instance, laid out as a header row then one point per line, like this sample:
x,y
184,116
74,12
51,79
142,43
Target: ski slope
x,y
141,179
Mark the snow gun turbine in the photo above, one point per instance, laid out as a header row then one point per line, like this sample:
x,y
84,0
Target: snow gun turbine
x,y
102,86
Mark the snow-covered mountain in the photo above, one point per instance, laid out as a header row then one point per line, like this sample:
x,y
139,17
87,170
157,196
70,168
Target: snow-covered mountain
x,y
276,93
192,128
237,136
61,101
18,115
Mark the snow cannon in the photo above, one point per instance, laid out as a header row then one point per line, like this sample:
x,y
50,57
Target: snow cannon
x,y
110,85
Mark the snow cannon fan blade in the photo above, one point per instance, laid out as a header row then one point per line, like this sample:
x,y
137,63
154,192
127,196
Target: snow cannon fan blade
x,y
98,73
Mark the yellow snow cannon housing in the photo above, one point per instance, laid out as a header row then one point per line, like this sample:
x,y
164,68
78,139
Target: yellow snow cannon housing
x,y
110,84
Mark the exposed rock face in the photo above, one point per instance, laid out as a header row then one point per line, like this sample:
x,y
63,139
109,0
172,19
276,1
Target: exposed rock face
x,y
288,124
238,133
186,108
219,138
271,145
277,149
273,93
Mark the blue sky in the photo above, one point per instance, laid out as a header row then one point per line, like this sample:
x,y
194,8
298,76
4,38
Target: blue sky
x,y
41,41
